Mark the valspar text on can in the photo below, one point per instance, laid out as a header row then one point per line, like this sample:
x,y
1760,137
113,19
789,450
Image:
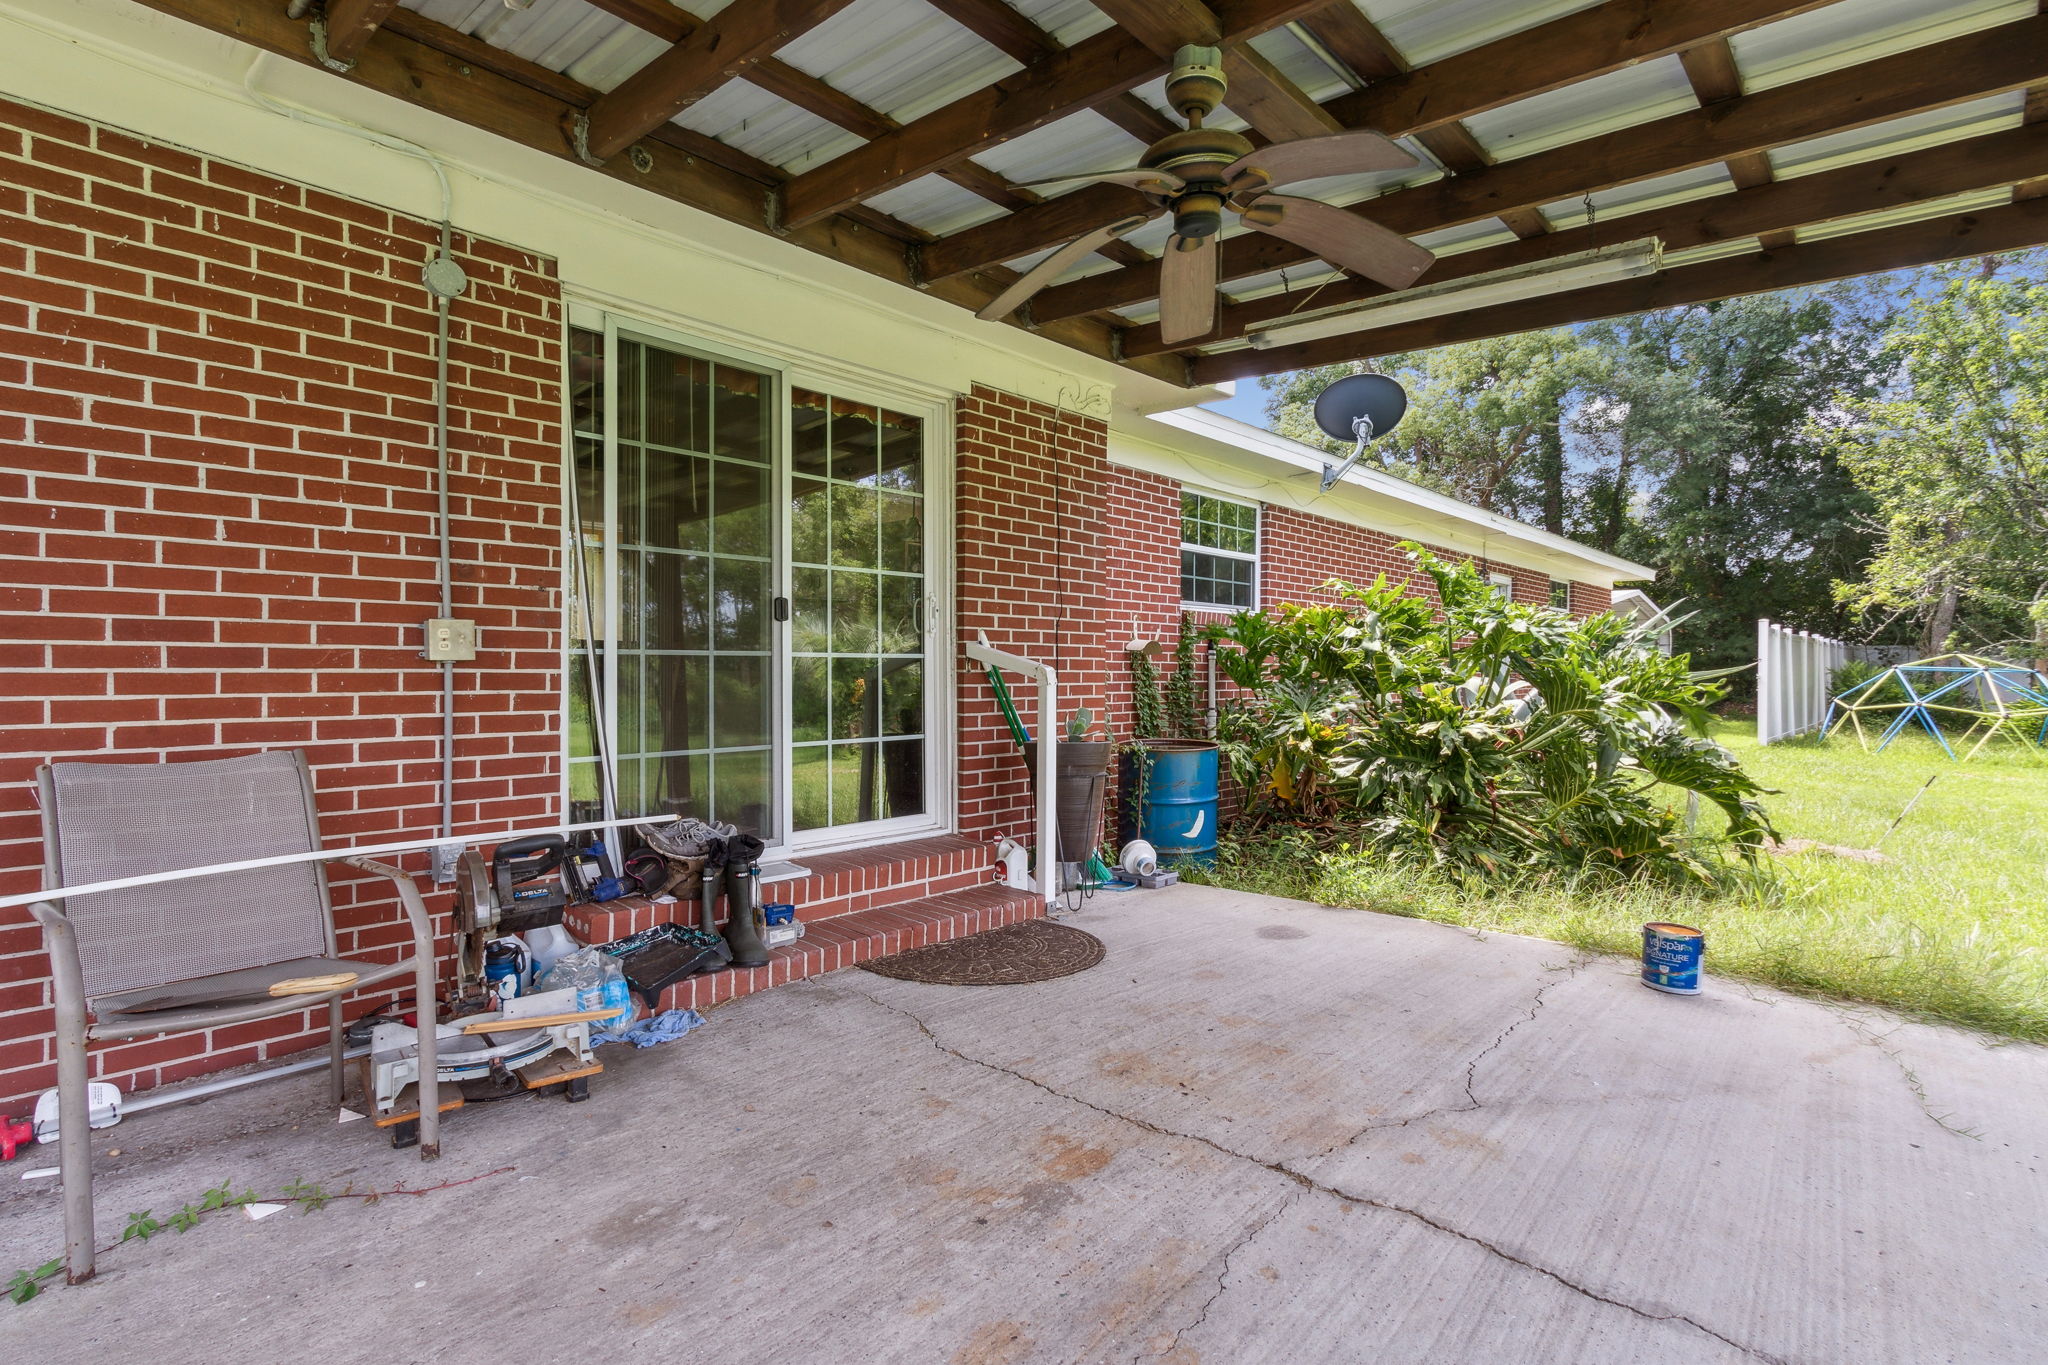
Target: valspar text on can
x,y
1671,958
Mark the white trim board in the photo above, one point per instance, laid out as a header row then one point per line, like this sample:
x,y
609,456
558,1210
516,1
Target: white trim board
x,y
1192,445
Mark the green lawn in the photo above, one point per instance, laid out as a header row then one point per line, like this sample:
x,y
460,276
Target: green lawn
x,y
1952,925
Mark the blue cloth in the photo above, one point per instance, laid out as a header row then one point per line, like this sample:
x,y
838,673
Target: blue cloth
x,y
658,1028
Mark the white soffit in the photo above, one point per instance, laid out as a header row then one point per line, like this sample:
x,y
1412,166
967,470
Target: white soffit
x,y
765,126
1620,99
1426,31
899,56
936,205
1849,32
1643,195
1907,213
1910,134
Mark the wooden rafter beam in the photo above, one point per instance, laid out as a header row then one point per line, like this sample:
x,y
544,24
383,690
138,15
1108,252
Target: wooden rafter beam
x,y
1002,27
419,75
1110,63
835,106
1711,71
475,51
2008,227
350,24
1260,93
1576,47
1929,175
1987,62
737,38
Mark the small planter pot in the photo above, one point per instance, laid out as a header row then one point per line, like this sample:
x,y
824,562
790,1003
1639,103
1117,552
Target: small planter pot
x,y
1170,790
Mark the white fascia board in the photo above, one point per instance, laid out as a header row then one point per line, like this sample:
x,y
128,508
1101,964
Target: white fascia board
x,y
1209,449
616,245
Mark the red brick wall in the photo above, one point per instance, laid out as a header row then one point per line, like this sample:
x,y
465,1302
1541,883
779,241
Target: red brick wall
x,y
1030,548
216,516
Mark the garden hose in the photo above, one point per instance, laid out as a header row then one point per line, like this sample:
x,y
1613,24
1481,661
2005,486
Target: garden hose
x,y
1008,707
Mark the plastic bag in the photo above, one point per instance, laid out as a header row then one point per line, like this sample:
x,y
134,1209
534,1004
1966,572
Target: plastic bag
x,y
599,982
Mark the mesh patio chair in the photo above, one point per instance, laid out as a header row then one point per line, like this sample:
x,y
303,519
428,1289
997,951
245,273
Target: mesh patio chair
x,y
199,953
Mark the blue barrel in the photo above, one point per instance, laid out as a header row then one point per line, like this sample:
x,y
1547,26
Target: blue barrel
x,y
1672,956
1177,799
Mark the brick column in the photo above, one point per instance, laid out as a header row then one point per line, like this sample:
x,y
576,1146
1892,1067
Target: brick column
x,y
1030,510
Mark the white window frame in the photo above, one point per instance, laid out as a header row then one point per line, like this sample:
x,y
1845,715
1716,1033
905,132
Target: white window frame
x,y
1567,585
1258,545
1503,583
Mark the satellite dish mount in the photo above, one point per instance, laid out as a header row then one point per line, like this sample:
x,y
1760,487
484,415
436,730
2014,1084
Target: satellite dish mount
x,y
1358,408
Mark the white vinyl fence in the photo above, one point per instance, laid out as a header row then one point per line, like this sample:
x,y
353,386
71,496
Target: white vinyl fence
x,y
1792,671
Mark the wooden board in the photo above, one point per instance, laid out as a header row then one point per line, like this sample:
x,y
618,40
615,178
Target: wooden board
x,y
556,1069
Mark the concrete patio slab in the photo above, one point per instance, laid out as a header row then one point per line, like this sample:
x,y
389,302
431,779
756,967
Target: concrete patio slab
x,y
1258,1131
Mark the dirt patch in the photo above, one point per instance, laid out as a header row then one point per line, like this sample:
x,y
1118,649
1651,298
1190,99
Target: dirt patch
x,y
1791,847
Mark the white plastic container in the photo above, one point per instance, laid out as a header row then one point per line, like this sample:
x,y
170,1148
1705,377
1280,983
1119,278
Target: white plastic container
x,y
546,946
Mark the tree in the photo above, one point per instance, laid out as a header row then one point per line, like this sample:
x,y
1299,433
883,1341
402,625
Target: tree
x,y
1700,458
1955,459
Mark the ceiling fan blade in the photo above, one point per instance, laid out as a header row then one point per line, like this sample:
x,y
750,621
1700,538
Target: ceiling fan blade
x,y
1312,158
1161,183
1341,238
1187,289
1048,270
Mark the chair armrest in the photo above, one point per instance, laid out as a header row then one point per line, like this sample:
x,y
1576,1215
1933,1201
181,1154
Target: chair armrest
x,y
51,918
408,896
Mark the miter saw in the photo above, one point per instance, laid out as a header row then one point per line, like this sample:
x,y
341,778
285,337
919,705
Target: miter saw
x,y
523,886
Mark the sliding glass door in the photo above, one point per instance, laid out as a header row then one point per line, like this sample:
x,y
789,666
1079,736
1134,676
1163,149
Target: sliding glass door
x,y
750,624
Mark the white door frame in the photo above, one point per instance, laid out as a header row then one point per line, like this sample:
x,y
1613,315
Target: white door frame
x,y
936,409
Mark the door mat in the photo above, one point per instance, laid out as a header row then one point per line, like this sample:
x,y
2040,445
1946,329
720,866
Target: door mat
x,y
1016,954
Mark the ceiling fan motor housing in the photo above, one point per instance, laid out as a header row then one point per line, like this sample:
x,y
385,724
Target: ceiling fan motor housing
x,y
1196,84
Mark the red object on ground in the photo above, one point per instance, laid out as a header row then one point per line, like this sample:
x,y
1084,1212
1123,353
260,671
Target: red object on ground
x,y
15,1134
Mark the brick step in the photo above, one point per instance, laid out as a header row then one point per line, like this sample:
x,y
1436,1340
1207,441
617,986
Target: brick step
x,y
838,884
843,940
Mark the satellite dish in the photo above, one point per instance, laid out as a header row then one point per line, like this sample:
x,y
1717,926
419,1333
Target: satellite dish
x,y
1358,407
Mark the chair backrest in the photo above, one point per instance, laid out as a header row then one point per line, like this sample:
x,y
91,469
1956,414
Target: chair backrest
x,y
107,820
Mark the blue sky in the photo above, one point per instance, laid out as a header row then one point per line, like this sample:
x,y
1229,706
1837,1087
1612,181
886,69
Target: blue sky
x,y
1249,405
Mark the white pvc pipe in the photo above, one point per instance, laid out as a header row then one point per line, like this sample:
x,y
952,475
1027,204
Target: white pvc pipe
x,y
157,1099
1048,740
318,855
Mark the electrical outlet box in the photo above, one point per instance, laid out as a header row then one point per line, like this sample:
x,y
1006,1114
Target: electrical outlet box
x,y
449,638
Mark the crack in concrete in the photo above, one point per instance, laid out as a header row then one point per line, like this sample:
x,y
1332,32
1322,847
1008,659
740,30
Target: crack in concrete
x,y
1310,1183
1472,1102
1862,1028
1243,1239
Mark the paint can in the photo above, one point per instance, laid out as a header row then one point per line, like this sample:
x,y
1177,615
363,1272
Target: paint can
x,y
1672,956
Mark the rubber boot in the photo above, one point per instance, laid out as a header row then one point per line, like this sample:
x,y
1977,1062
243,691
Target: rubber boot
x,y
707,902
743,923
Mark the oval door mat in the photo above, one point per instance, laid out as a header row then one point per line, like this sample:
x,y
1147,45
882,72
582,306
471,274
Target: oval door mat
x,y
1014,955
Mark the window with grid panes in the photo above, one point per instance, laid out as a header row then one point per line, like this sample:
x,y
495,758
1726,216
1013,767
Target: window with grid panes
x,y
1219,551
1560,595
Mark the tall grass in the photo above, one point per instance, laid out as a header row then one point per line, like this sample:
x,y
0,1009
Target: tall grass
x,y
1951,925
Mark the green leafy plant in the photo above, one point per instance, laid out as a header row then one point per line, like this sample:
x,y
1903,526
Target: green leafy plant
x,y
1183,712
1149,718
1483,738
26,1284
310,1198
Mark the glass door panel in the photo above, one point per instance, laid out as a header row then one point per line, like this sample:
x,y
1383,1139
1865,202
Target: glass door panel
x,y
857,696
693,459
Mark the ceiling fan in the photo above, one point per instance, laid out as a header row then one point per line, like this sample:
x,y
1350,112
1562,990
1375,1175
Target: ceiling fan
x,y
1197,173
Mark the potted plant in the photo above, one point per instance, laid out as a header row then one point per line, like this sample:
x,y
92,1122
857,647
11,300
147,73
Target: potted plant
x,y
1169,772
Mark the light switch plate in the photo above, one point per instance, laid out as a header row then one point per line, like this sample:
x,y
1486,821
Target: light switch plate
x,y
449,638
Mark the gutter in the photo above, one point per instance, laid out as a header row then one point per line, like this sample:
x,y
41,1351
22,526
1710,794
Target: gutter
x,y
1284,460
